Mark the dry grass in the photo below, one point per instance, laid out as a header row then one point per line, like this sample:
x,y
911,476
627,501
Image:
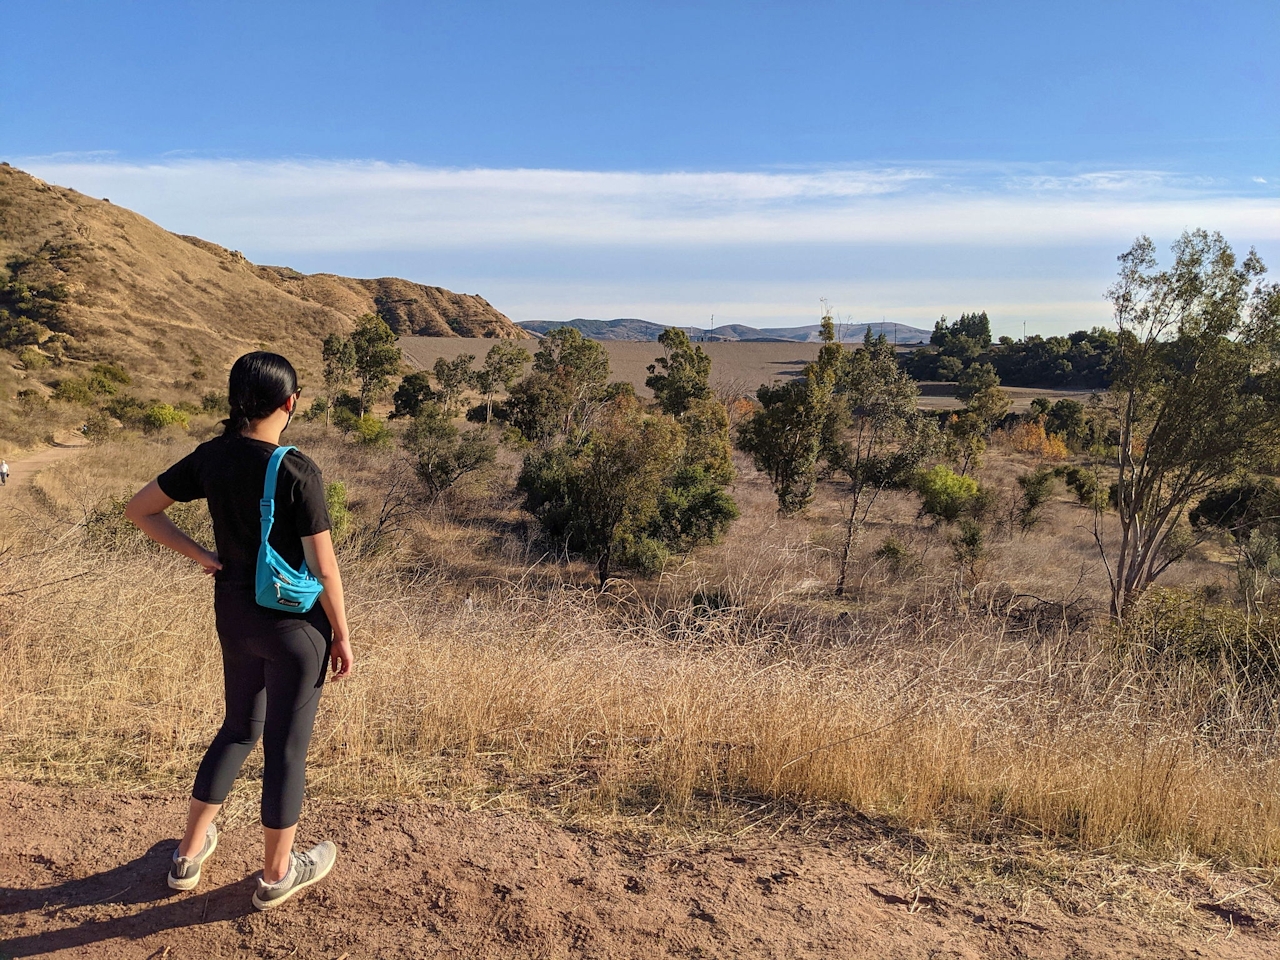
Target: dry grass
x,y
720,688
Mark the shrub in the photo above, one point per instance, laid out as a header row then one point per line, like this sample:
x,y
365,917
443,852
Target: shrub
x,y
1031,438
335,497
1240,507
414,390
443,453
128,409
319,407
893,553
32,401
1187,627
372,432
1037,488
18,332
32,359
161,415
344,419
73,390
216,403
111,372
99,428
1084,483
945,495
969,545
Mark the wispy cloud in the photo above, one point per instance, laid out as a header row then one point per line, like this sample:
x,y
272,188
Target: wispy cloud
x,y
302,211
371,205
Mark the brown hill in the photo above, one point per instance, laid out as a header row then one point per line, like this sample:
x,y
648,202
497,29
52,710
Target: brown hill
x,y
174,309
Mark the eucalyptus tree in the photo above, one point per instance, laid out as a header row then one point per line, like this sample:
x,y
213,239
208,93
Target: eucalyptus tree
x,y
1196,395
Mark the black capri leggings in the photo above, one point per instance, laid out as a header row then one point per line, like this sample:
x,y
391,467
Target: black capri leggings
x,y
273,667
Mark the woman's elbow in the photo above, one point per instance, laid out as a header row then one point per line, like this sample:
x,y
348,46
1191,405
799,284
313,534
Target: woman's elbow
x,y
133,511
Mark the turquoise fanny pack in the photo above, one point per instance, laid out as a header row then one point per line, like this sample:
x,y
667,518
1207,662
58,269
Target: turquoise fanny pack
x,y
277,585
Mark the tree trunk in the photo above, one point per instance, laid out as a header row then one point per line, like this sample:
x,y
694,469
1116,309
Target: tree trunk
x,y
848,546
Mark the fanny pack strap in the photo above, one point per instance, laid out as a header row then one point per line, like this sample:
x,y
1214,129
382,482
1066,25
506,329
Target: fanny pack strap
x,y
267,505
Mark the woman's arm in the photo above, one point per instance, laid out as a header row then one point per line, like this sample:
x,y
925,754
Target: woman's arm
x,y
321,561
147,510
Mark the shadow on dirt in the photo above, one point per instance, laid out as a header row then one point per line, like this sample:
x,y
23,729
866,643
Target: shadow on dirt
x,y
80,903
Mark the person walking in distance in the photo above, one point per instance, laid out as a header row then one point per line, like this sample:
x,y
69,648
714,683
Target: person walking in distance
x,y
4,473
274,661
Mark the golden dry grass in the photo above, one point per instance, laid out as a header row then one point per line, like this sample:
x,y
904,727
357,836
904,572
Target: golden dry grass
x,y
728,685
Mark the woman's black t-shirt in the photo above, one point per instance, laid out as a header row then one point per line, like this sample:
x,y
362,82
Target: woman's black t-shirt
x,y
229,472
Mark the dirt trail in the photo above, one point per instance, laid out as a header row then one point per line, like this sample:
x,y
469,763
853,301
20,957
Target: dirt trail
x,y
82,875
22,471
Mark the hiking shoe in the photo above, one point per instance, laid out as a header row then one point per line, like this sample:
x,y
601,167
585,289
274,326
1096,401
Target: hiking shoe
x,y
184,872
304,870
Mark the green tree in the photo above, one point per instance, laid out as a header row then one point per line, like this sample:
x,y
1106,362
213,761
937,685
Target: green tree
x,y
874,437
414,390
685,376
503,365
452,377
630,488
377,357
576,372
786,436
442,453
1196,394
339,356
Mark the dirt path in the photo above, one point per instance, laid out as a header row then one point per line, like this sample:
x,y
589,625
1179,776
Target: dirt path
x,y
82,875
21,471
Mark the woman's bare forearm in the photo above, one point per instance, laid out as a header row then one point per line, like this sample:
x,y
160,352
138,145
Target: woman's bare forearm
x,y
334,604
164,531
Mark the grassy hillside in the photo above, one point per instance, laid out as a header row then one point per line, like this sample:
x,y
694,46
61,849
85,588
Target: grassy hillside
x,y
177,310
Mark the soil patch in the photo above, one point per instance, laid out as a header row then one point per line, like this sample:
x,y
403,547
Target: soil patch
x,y
82,875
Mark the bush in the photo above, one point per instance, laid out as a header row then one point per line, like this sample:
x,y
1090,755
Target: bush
x,y
1084,483
946,496
1241,507
1031,438
1037,488
969,545
74,390
216,403
32,359
99,428
111,373
161,415
128,409
1186,627
319,407
372,432
335,497
893,553
344,419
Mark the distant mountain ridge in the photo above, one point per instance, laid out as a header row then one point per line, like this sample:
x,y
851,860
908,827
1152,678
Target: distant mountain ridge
x,y
626,328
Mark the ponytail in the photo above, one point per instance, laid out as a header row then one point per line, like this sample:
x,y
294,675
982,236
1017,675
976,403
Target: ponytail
x,y
260,382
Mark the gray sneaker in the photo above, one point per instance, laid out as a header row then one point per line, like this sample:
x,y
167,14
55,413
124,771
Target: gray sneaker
x,y
306,869
184,872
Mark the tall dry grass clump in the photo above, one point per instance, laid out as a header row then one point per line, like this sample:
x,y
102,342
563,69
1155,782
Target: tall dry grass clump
x,y
928,716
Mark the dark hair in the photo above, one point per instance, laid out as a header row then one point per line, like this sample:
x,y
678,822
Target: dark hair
x,y
260,383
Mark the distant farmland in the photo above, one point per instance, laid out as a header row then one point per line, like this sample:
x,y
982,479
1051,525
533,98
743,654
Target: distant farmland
x,y
739,366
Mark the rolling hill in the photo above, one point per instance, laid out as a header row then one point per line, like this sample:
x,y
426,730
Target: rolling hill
x,y
174,308
632,329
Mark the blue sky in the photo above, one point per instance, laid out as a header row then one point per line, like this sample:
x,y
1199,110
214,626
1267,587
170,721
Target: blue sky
x,y
673,160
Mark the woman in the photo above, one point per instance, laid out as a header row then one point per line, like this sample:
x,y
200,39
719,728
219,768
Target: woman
x,y
273,663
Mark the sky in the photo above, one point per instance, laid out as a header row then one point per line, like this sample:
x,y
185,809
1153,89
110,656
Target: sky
x,y
673,161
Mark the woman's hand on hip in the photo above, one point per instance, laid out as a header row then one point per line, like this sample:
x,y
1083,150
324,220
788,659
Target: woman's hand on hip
x,y
341,658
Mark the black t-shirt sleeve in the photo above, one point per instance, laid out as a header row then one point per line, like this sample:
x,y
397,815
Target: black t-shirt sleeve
x,y
181,481
306,496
